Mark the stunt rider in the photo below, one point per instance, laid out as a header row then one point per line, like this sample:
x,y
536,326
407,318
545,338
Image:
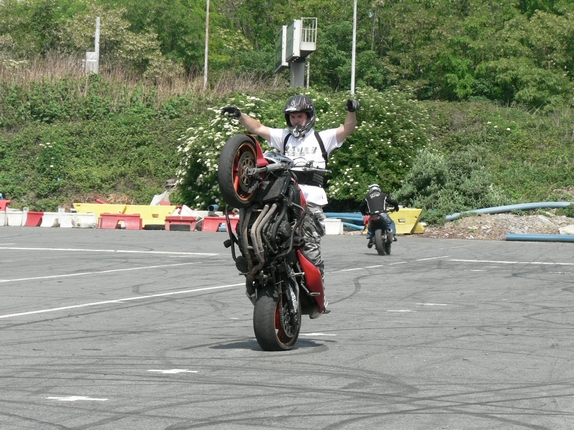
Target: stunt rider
x,y
377,202
301,142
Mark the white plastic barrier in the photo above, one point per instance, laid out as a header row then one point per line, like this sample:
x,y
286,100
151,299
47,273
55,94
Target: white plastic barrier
x,y
58,219
333,226
16,218
65,219
85,220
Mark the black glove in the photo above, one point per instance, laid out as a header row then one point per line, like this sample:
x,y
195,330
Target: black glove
x,y
232,111
352,105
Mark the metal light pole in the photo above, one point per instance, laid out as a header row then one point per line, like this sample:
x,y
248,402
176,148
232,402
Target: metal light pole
x,y
354,47
206,46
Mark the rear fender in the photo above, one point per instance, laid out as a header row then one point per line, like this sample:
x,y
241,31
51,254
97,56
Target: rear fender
x,y
261,160
377,222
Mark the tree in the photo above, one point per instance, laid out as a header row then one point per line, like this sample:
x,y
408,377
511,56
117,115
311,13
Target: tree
x,y
119,47
178,24
31,28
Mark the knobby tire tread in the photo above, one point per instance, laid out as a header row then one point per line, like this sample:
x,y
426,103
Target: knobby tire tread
x,y
379,242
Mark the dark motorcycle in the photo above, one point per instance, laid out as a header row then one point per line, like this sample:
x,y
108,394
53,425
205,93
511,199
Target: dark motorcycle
x,y
382,235
281,282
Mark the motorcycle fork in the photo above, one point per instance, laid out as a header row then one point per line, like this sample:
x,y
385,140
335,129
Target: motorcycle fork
x,y
286,282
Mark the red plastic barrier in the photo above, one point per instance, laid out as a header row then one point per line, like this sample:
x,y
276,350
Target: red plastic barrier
x,y
173,220
212,223
111,221
4,204
34,219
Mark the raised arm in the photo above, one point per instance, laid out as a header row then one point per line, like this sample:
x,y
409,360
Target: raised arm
x,y
251,124
350,120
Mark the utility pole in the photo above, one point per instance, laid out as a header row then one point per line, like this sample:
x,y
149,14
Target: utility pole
x,y
354,48
206,46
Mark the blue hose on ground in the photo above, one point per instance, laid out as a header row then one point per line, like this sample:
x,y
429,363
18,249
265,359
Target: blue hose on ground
x,y
509,208
354,226
541,237
350,217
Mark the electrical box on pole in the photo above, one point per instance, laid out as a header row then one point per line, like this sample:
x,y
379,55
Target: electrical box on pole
x,y
293,44
281,50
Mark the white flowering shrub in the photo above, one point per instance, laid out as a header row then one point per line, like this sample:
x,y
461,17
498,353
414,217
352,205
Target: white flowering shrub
x,y
391,129
201,145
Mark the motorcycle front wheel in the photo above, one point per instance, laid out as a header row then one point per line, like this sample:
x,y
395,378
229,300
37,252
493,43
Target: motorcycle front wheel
x,y
379,242
276,327
237,187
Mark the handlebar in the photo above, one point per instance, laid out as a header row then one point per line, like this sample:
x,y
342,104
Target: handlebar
x,y
281,162
284,166
313,169
307,166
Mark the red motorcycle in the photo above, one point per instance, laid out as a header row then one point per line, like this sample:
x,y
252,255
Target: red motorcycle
x,y
281,282
382,235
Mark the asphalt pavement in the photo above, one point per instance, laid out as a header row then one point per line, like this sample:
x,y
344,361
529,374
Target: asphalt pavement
x,y
122,329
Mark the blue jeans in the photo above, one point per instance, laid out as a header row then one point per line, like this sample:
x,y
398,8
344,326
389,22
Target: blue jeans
x,y
390,224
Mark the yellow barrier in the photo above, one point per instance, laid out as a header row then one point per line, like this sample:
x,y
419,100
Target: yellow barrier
x,y
419,228
150,215
407,221
99,209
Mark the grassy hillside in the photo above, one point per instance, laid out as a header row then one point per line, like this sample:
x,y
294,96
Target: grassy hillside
x,y
69,139
66,137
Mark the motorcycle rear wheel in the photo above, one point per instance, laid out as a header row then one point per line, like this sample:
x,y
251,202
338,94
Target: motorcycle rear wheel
x,y
237,187
275,328
388,242
379,242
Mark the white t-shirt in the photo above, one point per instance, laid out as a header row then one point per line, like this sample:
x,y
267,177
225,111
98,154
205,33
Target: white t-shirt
x,y
309,149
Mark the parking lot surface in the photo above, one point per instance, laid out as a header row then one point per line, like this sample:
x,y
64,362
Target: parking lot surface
x,y
119,329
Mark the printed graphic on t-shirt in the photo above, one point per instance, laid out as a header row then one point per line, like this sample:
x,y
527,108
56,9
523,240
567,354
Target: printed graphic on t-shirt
x,y
307,148
300,151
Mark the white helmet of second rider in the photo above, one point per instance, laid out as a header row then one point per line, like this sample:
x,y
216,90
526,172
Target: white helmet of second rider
x,y
374,187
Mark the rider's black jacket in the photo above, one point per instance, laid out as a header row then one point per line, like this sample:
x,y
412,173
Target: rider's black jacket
x,y
377,202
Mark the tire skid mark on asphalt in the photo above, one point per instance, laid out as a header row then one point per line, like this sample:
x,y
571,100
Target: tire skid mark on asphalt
x,y
119,301
372,267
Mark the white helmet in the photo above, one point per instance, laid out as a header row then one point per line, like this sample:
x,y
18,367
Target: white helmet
x,y
374,187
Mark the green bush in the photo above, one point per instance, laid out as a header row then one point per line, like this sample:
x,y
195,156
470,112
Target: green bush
x,y
445,184
47,165
566,211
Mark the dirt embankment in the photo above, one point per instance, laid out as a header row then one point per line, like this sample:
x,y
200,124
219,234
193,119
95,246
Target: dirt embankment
x,y
496,226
